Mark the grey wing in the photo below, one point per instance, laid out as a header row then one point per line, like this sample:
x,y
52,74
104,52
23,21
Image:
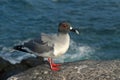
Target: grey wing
x,y
43,46
38,46
48,38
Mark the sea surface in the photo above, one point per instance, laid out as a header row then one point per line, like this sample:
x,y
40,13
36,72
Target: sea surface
x,y
97,20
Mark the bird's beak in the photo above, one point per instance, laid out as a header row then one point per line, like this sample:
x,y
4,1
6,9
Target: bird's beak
x,y
74,30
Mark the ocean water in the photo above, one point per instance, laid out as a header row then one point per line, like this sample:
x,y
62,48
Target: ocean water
x,y
97,20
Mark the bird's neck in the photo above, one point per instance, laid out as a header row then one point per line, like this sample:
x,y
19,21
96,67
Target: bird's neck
x,y
63,34
64,37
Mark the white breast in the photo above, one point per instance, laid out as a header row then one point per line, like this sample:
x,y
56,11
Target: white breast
x,y
61,45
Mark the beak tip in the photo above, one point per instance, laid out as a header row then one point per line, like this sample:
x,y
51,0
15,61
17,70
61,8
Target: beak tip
x,y
77,32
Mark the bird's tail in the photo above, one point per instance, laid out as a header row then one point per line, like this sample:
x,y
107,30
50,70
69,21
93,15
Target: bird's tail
x,y
20,48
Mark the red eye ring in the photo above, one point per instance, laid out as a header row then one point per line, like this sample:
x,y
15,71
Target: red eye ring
x,y
64,25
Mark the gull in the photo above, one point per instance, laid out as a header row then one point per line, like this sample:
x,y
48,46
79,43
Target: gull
x,y
50,45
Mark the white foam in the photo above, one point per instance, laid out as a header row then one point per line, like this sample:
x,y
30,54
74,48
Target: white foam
x,y
14,56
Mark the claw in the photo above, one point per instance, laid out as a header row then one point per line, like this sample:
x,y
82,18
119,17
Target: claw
x,y
53,66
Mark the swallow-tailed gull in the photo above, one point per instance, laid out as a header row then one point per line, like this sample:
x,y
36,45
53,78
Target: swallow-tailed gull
x,y
50,45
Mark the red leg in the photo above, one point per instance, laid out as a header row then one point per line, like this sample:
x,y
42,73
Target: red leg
x,y
53,66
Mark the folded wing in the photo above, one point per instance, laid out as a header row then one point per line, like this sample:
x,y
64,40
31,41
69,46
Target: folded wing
x,y
38,45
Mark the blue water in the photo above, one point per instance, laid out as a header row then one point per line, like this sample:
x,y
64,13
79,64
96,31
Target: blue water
x,y
97,20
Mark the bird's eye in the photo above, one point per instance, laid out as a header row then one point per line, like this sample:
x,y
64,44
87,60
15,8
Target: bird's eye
x,y
64,25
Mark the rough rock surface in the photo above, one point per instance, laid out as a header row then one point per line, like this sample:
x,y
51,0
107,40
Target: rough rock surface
x,y
7,69
82,70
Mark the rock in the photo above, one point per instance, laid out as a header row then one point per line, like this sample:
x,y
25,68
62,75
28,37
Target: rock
x,y
82,70
7,69
4,65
